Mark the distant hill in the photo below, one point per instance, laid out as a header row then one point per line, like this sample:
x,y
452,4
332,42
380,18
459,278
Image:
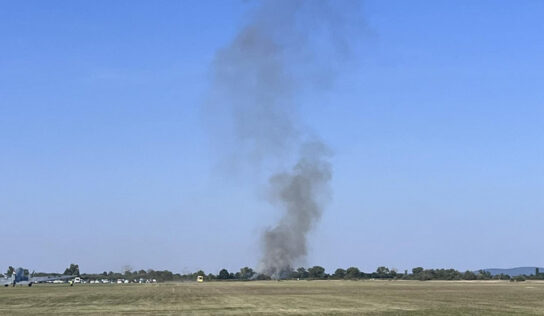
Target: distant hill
x,y
515,271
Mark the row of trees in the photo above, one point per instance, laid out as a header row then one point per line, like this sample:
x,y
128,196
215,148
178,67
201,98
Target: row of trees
x,y
313,273
245,273
353,273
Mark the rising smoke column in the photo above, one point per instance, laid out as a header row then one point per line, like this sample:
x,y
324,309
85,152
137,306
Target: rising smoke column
x,y
301,192
255,82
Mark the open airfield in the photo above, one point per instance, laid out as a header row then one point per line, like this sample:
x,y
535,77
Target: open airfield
x,y
284,297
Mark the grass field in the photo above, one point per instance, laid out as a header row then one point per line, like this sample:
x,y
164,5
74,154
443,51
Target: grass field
x,y
285,297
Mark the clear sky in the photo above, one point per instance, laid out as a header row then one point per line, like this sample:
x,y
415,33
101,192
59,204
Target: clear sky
x,y
437,130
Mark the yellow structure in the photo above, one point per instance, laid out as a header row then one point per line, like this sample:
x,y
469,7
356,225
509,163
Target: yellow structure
x,y
200,279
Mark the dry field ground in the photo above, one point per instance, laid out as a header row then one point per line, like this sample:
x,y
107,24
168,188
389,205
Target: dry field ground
x,y
285,297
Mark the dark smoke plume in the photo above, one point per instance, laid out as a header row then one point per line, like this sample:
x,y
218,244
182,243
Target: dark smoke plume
x,y
301,192
255,83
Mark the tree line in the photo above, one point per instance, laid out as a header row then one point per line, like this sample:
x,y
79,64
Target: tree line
x,y
319,273
312,273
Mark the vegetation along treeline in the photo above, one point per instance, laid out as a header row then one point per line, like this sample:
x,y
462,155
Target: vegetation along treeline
x,y
313,273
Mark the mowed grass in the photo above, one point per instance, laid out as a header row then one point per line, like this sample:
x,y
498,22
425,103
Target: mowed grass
x,y
284,297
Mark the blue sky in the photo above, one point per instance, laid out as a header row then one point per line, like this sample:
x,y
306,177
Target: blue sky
x,y
437,127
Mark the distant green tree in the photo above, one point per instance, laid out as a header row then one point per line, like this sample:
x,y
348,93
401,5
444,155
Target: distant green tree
x,y
223,274
353,273
316,272
417,270
469,275
484,275
72,270
10,271
246,273
383,272
301,273
339,274
502,276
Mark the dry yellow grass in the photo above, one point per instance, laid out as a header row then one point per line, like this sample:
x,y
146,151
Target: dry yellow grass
x,y
285,297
